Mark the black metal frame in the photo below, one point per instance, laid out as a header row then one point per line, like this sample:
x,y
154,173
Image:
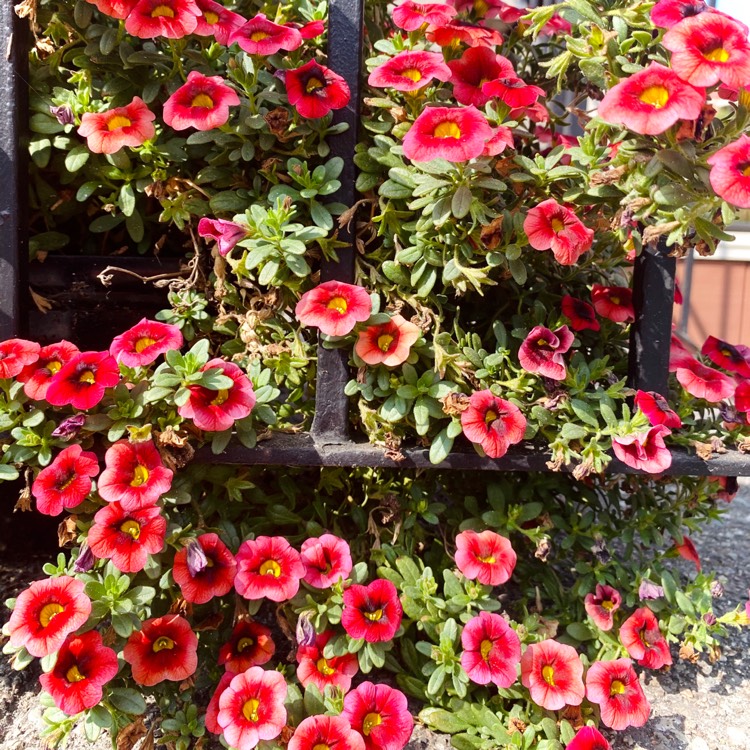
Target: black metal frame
x,y
329,442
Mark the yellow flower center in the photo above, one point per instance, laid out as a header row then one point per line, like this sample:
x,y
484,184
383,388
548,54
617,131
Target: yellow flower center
x,y
118,121
490,416
608,605
140,476
202,100
324,667
87,377
221,396
548,673
162,11
73,675
321,746
258,36
557,225
719,55
64,486
250,709
481,7
244,643
143,343
371,721
384,342
48,612
338,304
413,74
313,85
656,96
614,300
447,130
211,18
53,366
542,342
746,171
489,559
485,648
270,568
131,527
374,616
162,643
616,688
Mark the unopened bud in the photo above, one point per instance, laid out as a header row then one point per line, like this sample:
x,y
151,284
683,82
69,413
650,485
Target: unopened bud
x,y
70,427
64,115
197,561
305,631
709,618
717,590
85,560
648,590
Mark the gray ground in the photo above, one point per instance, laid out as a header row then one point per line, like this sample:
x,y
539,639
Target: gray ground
x,y
694,707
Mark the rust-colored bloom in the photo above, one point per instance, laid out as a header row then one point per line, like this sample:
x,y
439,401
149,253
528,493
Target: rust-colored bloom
x,y
686,549
313,668
215,576
36,376
657,409
723,354
493,423
388,343
644,641
15,355
613,302
581,315
250,645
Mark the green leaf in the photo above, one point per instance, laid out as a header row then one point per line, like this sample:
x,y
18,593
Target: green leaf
x,y
441,446
443,721
76,158
461,202
128,701
127,199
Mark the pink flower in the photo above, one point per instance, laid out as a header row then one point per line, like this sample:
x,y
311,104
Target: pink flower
x,y
686,549
226,233
66,482
614,686
202,103
491,650
83,380
502,138
588,738
657,409
314,90
250,645
318,732
553,672
268,567
327,559
145,342
476,66
704,382
313,668
644,450
410,71
551,226
730,172
493,423
334,307
119,9
259,36
668,13
542,351
217,21
644,641
486,557
372,612
387,343
107,132
411,16
15,355
601,606
613,302
173,19
380,714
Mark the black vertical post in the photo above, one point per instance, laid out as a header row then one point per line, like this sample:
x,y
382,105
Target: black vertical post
x,y
13,177
651,333
345,50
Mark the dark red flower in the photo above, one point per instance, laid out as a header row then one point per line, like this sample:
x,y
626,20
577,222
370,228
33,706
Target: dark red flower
x,y
704,382
217,21
644,450
667,13
260,36
550,226
173,19
144,342
411,16
410,71
314,668
314,90
588,738
657,409
66,482
581,314
686,549
334,307
485,556
82,381
553,673
725,355
215,579
269,567
372,612
327,559
512,91
613,302
477,66
601,606
491,650
318,732
36,377
542,351
457,32
250,645
730,172
226,233
380,714
614,686
165,648
644,641
15,355
493,423
310,30
84,664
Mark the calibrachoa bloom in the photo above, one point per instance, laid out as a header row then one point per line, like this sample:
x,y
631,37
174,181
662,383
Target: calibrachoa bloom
x,y
667,13
657,409
550,226
327,559
614,303
251,708
512,91
173,19
686,549
601,606
644,450
644,641
82,381
226,233
314,668
486,557
491,650
334,307
212,710
651,101
542,351
127,537
202,103
144,342
553,673
380,714
388,343
314,90
215,578
217,21
452,133
219,410
502,138
268,567
727,356
453,33
318,732
493,423
260,36
46,613
614,686
704,382
119,9
730,172
250,645
134,475
107,132
410,71
15,354
372,612
476,66
411,16
581,315
165,648
84,664
36,376
66,482
588,738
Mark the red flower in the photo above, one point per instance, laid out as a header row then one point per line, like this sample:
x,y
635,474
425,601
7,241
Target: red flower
x,y
37,375
553,673
411,16
513,91
144,342
202,103
250,645
218,410
134,475
334,307
601,606
456,32
556,25
709,48
588,738
83,380
268,567
380,714
314,90
127,537
486,557
667,13
259,36
216,578
410,71
493,423
226,233
542,351
217,21
642,638
580,314
452,133
327,559
657,409
310,30
317,732
742,397
614,686
686,549
372,612
614,303
212,710
551,226
119,9
490,9
477,66
15,355
251,708
502,138
727,356
84,664
66,482
314,668
107,132
173,19
704,382
730,172
46,613
678,354
491,650
165,648
387,343
651,101
645,451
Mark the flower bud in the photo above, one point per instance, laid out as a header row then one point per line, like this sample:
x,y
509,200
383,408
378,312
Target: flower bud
x,y
196,557
648,590
85,560
70,427
305,631
709,618
64,115
717,590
